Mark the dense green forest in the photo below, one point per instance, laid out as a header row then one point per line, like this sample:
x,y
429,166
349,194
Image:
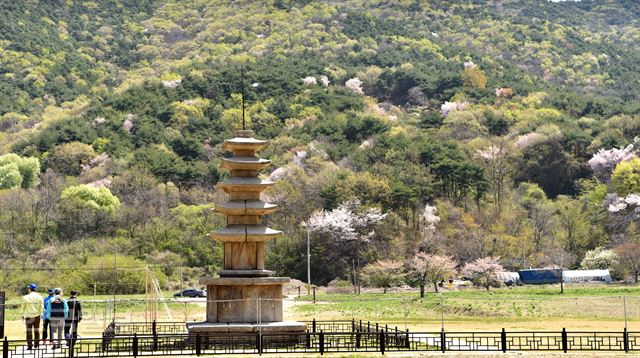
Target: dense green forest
x,y
504,128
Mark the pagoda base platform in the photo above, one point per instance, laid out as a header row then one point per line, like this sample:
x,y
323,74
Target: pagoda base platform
x,y
244,299
283,327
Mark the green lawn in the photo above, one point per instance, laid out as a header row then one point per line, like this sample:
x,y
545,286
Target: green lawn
x,y
539,307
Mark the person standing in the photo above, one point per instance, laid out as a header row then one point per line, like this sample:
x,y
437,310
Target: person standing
x,y
32,307
46,327
75,316
57,312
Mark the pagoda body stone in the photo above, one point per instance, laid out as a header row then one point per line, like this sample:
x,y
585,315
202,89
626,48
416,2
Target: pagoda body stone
x,y
246,297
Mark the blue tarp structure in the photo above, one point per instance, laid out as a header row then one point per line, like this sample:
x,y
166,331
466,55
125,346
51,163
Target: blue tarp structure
x,y
539,276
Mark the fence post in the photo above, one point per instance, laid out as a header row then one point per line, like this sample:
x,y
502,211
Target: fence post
x,y
313,326
259,343
154,327
198,344
5,348
368,326
382,341
308,340
407,342
353,325
503,339
443,344
360,326
135,344
314,295
358,339
71,344
625,340
564,340
104,342
321,342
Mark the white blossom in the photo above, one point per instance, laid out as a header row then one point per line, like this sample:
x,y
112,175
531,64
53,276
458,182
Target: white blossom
x,y
354,85
346,222
255,85
299,157
448,107
605,160
309,80
430,217
489,153
260,36
435,34
528,139
632,199
470,64
99,120
172,83
324,80
128,124
617,206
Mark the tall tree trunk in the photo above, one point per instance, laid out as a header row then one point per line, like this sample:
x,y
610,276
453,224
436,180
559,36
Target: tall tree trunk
x,y
422,289
435,285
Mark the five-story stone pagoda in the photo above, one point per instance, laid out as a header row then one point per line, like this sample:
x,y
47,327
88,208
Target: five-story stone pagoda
x,y
245,298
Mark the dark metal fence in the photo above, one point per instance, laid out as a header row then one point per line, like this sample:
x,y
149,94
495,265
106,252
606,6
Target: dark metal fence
x,y
347,336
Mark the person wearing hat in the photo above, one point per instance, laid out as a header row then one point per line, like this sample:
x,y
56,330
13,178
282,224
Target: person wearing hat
x,y
46,327
75,316
32,308
57,312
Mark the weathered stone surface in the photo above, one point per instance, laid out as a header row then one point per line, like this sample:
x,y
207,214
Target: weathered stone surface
x,y
265,327
244,163
246,273
245,233
226,281
245,298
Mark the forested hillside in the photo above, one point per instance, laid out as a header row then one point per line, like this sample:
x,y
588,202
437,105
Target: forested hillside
x,y
421,128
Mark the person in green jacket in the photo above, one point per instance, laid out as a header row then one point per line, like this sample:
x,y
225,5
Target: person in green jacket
x,y
32,307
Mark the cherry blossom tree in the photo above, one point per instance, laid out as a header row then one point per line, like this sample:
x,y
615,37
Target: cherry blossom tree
x,y
605,160
431,268
483,271
345,230
629,259
354,85
309,80
384,273
448,107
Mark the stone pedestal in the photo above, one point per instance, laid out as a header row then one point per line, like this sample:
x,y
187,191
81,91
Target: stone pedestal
x,y
245,298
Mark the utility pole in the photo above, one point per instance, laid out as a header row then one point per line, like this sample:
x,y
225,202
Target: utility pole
x,y
308,259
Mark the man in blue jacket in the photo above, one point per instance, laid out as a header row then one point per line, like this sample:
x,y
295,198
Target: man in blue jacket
x,y
57,313
46,327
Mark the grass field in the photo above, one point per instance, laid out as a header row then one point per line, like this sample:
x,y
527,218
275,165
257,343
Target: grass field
x,y
518,308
